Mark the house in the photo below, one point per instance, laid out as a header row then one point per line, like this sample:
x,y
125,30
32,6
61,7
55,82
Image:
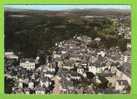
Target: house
x,y
40,90
49,74
99,68
98,39
121,85
97,80
63,52
45,83
75,76
29,64
11,55
20,85
129,45
122,74
37,59
67,67
80,70
75,59
92,69
101,53
31,85
56,55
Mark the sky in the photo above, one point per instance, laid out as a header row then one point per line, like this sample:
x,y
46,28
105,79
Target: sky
x,y
66,7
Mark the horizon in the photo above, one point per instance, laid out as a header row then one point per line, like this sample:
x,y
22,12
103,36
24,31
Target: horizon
x,y
65,7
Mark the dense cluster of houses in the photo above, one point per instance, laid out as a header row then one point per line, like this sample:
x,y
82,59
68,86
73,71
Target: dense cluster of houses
x,y
100,68
76,67
73,68
28,75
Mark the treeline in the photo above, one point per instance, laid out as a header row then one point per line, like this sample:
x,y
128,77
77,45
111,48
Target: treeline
x,y
32,33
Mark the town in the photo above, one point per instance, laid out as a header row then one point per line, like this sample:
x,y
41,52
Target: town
x,y
70,52
72,68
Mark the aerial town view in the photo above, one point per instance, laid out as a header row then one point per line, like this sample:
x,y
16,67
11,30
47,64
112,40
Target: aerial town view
x,y
67,49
